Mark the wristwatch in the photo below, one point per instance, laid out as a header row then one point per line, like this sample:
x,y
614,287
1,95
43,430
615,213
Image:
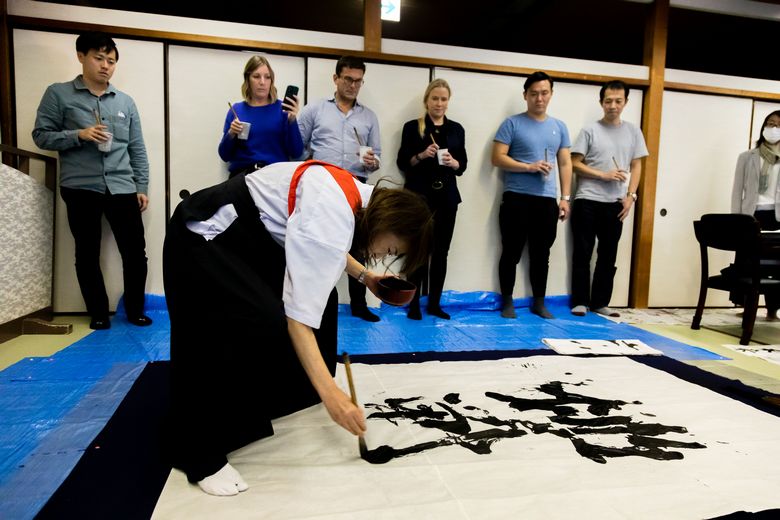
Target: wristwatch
x,y
362,276
632,194
567,198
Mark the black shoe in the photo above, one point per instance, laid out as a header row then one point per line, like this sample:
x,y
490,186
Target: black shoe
x,y
436,311
364,313
100,323
414,312
140,321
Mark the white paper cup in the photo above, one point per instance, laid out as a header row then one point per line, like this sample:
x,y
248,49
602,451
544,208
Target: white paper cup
x,y
363,151
105,146
244,130
439,154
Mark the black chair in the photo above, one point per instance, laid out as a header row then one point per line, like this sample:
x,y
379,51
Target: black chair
x,y
746,277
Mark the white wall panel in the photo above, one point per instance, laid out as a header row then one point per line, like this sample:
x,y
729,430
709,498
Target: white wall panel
x,y
42,58
701,138
199,104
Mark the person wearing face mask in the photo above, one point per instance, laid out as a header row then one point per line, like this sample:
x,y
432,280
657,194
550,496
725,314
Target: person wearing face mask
x,y
273,134
757,191
432,155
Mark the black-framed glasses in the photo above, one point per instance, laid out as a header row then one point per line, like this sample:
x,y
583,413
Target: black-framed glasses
x,y
352,81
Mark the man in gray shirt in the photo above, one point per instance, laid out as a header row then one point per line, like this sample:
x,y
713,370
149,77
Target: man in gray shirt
x,y
334,130
607,162
104,170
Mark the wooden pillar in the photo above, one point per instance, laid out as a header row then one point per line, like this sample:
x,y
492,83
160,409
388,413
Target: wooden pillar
x,y
656,32
7,118
372,25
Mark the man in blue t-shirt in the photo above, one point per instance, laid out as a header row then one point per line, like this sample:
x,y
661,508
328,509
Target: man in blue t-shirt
x,y
607,158
529,148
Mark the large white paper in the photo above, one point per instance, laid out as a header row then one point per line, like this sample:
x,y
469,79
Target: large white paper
x,y
722,454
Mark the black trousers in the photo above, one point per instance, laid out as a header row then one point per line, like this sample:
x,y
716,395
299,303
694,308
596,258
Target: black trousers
x,y
85,210
526,218
443,228
357,291
591,220
233,366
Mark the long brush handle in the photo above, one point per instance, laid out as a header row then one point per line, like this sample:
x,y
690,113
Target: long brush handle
x,y
361,441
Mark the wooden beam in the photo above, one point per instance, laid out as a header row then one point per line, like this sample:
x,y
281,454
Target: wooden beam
x,y
304,50
656,33
372,25
722,91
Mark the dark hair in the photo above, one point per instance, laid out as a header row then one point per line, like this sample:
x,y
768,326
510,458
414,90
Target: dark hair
x,y
536,77
403,213
95,41
349,62
615,84
761,139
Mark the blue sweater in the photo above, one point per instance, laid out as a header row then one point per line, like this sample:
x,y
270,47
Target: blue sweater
x,y
272,138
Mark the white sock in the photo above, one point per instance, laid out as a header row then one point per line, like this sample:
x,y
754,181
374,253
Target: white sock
x,y
225,482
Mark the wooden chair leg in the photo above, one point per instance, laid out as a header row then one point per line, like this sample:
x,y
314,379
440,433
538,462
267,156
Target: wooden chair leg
x,y
696,323
749,318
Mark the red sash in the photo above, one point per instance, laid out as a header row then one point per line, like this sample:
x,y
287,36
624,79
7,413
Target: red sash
x,y
342,177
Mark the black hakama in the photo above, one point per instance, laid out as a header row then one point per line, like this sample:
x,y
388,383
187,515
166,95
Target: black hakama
x,y
233,366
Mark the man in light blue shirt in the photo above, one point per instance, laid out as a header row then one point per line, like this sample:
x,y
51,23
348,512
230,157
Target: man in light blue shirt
x,y
104,170
334,130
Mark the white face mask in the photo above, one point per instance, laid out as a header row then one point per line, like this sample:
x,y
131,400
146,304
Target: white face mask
x,y
772,135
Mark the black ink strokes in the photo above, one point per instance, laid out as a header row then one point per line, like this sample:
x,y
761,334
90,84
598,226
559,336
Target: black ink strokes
x,y
456,426
642,437
574,416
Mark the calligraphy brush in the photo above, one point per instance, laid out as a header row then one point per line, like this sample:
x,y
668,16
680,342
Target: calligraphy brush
x,y
97,116
233,110
615,162
348,368
433,140
357,136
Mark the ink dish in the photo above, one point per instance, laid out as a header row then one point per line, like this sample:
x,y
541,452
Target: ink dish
x,y
396,291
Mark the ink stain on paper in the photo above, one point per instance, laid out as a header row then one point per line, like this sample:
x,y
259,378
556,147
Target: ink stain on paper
x,y
477,429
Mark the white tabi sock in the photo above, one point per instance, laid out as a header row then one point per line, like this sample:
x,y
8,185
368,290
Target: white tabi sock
x,y
225,482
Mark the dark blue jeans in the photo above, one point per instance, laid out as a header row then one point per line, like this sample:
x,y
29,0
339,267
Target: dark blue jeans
x,y
591,220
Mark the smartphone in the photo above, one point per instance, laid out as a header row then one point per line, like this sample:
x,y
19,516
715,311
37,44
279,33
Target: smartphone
x,y
291,91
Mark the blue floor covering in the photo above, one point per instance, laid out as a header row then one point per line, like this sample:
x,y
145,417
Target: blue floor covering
x,y
476,325
51,408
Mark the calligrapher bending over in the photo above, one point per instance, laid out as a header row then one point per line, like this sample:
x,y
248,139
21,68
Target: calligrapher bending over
x,y
250,268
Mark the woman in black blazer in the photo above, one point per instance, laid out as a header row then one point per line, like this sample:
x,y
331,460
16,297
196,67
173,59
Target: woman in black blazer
x,y
432,156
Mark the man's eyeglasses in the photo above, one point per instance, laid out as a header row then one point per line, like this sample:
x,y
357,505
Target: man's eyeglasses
x,y
351,81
